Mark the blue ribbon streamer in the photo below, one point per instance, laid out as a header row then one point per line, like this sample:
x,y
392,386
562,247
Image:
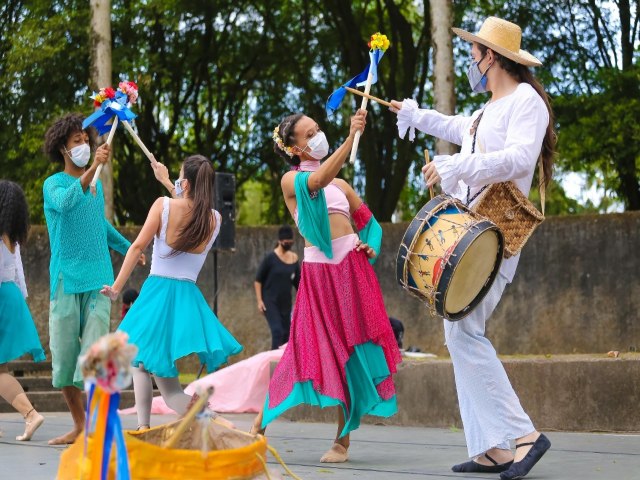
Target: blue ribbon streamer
x,y
114,433
91,390
335,99
110,108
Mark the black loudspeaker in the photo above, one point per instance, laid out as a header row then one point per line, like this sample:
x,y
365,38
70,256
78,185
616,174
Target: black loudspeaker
x,y
224,190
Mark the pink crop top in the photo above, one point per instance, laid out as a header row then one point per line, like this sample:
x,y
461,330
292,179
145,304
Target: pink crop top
x,y
336,201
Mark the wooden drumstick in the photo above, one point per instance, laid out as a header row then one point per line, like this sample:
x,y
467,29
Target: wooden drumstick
x,y
370,97
427,160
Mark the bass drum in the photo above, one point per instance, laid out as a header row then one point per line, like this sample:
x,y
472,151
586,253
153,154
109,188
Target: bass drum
x,y
449,257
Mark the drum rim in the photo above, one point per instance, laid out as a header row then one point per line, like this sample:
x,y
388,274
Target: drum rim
x,y
401,267
454,260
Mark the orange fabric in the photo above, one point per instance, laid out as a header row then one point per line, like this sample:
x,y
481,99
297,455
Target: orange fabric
x,y
148,461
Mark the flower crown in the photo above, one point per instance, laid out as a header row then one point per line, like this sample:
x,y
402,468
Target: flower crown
x,y
278,139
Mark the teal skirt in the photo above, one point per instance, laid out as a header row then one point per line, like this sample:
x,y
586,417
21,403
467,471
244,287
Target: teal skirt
x,y
18,334
171,319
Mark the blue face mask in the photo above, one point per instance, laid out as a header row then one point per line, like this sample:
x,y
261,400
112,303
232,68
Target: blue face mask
x,y
477,79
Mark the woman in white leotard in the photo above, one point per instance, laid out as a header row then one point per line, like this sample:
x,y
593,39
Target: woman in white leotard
x,y
171,319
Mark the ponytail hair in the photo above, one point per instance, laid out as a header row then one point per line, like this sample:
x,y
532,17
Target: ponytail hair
x,y
198,170
523,74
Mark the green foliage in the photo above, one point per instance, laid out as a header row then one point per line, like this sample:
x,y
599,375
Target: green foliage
x,y
216,77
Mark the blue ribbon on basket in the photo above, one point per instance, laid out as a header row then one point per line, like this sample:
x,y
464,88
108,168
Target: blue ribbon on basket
x,y
114,433
117,107
335,99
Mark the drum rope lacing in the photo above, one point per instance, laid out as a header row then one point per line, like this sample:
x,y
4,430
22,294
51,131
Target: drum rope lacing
x,y
411,252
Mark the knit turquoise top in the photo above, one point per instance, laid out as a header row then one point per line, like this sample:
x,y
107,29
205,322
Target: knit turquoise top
x,y
79,234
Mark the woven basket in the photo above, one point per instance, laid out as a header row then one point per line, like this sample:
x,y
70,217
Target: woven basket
x,y
505,205
230,455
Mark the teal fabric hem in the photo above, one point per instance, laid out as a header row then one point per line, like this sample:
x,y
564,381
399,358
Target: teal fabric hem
x,y
365,369
313,216
371,234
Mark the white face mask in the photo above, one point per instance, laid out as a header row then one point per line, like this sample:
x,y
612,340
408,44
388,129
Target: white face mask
x,y
318,146
80,155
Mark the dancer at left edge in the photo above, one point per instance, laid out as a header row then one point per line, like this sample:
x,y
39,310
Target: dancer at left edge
x,y
18,335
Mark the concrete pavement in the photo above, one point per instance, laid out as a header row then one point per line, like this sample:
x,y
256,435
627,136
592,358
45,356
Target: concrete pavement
x,y
377,452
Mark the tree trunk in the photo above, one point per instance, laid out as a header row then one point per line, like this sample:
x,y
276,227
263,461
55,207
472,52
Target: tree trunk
x,y
443,78
100,77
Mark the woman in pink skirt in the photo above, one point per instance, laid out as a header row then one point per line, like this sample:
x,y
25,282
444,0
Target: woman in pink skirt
x,y
341,350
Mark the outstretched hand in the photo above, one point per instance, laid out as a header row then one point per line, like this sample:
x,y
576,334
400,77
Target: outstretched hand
x,y
108,291
396,106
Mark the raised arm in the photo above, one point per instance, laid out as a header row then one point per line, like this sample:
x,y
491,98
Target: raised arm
x,y
330,167
62,199
149,229
448,127
162,175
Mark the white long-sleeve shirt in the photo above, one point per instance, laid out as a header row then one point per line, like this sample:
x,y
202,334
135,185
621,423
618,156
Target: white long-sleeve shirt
x,y
508,144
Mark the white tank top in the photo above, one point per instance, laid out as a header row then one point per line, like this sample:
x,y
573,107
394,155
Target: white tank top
x,y
11,267
184,265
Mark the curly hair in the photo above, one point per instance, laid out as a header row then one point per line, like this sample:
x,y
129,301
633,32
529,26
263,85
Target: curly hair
x,y
14,212
57,135
286,132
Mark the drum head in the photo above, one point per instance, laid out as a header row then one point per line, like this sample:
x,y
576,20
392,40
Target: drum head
x,y
477,264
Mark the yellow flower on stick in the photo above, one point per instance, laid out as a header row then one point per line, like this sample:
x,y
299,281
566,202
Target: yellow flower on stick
x,y
379,41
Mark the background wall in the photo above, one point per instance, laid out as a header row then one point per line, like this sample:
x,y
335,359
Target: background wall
x,y
577,289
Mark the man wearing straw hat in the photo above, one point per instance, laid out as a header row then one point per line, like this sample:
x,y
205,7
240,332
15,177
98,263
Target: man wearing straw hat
x,y
500,142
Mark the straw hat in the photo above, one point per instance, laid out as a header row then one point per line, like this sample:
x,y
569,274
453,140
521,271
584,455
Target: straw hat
x,y
502,37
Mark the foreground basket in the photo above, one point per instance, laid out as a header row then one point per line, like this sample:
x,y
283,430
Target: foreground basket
x,y
231,454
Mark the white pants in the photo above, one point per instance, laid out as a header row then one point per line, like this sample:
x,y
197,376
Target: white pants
x,y
490,410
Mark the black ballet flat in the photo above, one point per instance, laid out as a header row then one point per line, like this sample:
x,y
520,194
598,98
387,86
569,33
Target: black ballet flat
x,y
475,467
524,466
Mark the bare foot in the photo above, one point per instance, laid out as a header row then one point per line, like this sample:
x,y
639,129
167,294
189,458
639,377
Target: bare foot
x,y
31,424
522,451
337,454
65,439
223,421
499,455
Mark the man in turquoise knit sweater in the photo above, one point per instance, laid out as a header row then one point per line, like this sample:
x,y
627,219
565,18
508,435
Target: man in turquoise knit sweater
x,y
80,238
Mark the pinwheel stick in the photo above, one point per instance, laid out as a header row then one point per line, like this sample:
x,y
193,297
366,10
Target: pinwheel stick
x,y
135,136
363,106
96,175
370,97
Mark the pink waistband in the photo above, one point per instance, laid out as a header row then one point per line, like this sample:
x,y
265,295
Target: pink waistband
x,y
340,246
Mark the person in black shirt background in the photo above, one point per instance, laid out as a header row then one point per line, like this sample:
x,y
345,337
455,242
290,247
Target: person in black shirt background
x,y
278,272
